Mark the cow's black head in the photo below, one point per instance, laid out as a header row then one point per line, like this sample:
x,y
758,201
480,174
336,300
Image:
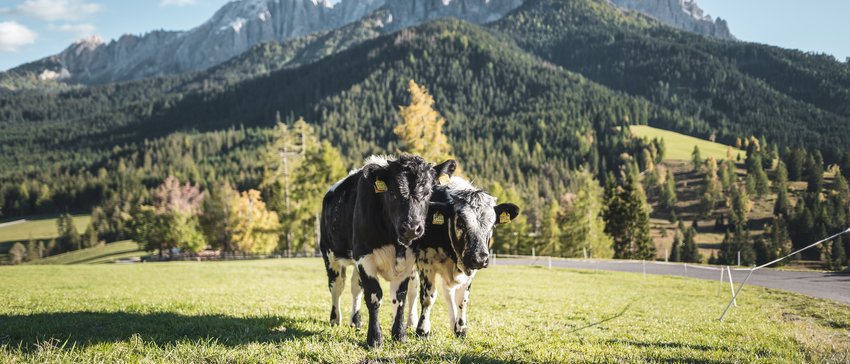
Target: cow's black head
x,y
404,186
472,215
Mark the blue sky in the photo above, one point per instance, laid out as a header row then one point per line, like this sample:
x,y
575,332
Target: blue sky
x,y
32,29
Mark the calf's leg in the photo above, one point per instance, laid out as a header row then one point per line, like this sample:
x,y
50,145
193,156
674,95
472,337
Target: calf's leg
x,y
449,293
374,294
462,301
398,292
356,299
412,291
427,295
336,284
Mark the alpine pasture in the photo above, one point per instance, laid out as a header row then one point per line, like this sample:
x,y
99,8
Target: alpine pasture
x,y
276,311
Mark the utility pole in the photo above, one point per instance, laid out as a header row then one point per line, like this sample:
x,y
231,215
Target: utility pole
x,y
286,152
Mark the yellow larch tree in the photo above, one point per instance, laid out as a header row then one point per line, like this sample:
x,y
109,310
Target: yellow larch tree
x,y
421,129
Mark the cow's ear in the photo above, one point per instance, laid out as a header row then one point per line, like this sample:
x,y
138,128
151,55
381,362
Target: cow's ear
x,y
448,168
376,175
439,213
506,212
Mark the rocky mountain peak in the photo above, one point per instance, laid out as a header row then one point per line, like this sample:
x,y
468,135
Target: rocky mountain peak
x,y
682,14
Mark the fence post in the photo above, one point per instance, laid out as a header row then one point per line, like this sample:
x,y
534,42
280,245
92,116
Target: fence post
x,y
550,262
731,286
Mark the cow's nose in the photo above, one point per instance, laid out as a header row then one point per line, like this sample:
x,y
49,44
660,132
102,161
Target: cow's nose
x,y
410,232
481,260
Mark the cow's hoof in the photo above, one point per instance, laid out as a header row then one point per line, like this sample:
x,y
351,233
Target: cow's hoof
x,y
422,333
402,338
461,333
355,321
374,342
334,317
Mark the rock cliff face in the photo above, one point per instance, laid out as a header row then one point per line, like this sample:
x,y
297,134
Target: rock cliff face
x,y
236,27
682,14
241,24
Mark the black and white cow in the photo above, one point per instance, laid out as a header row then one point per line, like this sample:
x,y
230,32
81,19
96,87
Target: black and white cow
x,y
456,244
369,220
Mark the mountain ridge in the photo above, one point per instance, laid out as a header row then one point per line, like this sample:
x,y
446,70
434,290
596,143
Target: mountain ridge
x,y
239,25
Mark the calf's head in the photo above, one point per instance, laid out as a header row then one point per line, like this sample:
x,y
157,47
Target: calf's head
x,y
404,187
472,216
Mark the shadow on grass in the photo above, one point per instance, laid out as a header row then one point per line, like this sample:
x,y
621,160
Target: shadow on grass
x,y
89,328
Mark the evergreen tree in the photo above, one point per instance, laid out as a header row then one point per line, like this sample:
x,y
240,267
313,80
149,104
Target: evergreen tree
x,y
814,173
696,158
782,206
627,221
581,224
690,251
676,248
712,188
668,192
421,130
69,239
796,164
322,167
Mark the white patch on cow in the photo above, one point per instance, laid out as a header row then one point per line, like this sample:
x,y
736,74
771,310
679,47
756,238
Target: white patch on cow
x,y
382,262
375,299
439,262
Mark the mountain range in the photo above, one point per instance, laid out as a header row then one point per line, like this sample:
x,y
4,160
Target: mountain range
x,y
239,25
529,98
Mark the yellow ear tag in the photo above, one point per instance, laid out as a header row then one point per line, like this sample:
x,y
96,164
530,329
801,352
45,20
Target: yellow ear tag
x,y
439,219
444,179
504,217
380,186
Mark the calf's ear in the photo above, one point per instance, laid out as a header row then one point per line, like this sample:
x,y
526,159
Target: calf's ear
x,y
438,213
506,212
448,168
376,175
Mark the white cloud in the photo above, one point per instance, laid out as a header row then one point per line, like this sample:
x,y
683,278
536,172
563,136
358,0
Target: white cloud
x,y
79,30
51,10
14,35
165,3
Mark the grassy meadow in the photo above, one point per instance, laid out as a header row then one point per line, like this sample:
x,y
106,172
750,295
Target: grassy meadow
x,y
680,146
275,311
106,253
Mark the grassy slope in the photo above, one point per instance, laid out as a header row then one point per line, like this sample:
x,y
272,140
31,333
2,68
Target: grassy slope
x,y
276,310
40,227
37,227
680,146
99,254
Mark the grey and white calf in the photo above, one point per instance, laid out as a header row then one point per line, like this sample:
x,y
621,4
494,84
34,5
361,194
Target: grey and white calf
x,y
369,220
455,246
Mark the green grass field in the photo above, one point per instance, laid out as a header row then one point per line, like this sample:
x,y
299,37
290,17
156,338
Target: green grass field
x,y
99,254
39,227
275,311
680,146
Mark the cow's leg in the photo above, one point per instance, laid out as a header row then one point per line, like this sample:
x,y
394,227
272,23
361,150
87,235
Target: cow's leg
x,y
412,292
398,292
356,298
374,294
462,301
336,284
427,295
449,294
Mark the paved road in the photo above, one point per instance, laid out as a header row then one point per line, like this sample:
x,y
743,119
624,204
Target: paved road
x,y
833,286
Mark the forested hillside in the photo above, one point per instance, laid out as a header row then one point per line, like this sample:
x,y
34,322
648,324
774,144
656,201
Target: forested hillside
x,y
537,107
729,88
